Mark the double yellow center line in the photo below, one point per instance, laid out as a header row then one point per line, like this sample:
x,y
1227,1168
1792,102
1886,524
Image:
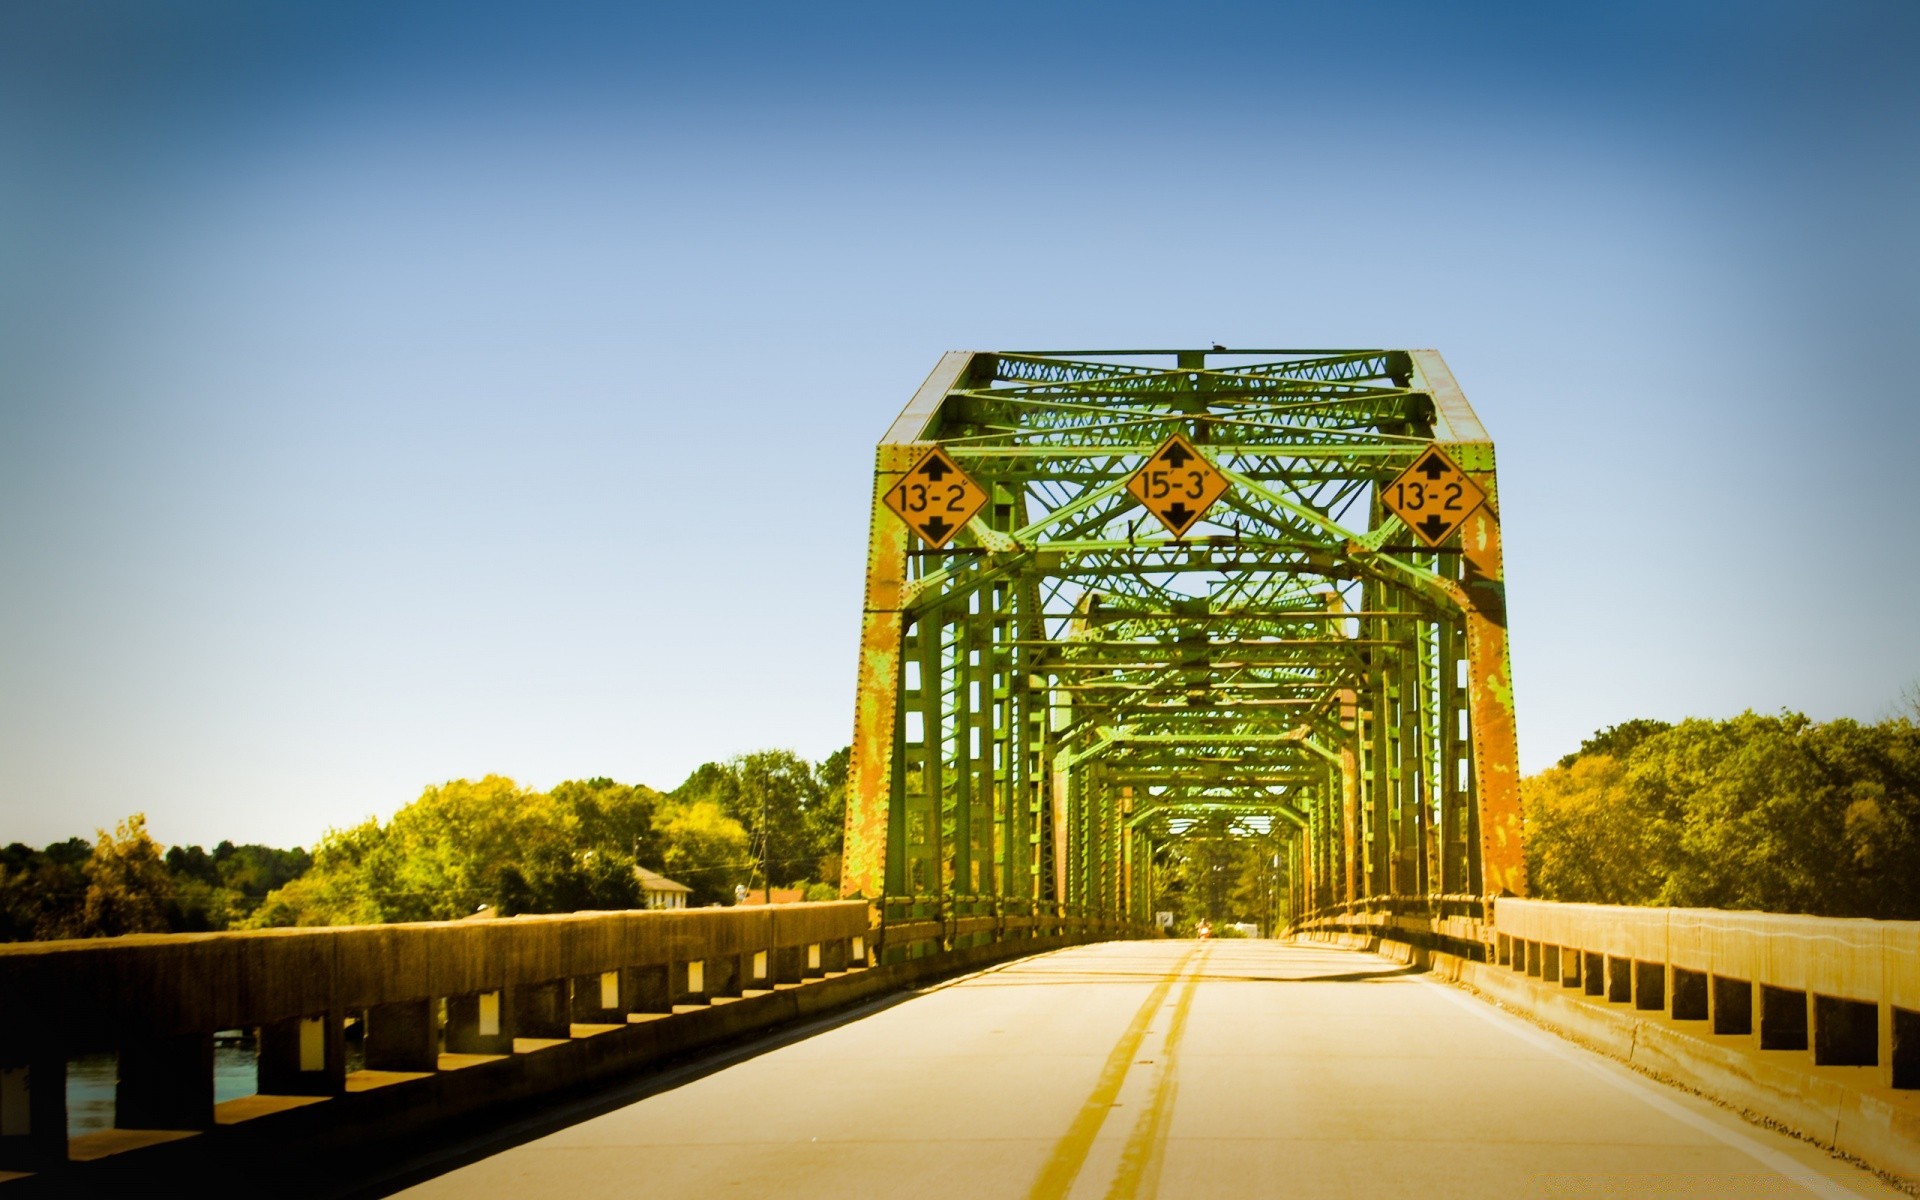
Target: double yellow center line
x,y
1140,1158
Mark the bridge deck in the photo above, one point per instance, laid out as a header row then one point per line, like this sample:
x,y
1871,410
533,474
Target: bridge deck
x,y
1231,1068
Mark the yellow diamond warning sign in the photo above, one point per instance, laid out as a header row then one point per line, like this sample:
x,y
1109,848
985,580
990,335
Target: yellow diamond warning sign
x,y
1433,496
1177,485
936,498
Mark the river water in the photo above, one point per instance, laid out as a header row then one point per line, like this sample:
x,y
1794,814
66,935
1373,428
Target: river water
x,y
91,1080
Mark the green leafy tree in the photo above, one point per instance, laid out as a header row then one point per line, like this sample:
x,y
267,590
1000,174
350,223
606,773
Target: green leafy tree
x,y
213,890
43,892
609,818
1617,741
782,803
1588,838
448,854
827,819
352,876
1218,874
705,849
1772,813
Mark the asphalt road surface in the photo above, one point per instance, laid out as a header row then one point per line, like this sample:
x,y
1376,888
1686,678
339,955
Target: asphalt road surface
x,y
1176,1069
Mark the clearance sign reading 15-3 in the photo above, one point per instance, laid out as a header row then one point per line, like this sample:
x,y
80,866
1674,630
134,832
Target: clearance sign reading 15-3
x,y
936,498
1177,484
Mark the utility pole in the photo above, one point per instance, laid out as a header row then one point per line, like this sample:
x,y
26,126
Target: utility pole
x,y
766,843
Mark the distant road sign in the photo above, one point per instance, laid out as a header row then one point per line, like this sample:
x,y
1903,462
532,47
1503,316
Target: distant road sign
x,y
1433,496
936,498
1177,485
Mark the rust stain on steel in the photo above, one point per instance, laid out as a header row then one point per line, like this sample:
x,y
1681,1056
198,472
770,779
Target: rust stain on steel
x,y
877,692
1496,751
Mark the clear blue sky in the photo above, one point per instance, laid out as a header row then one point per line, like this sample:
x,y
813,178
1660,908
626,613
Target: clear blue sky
x,y
397,392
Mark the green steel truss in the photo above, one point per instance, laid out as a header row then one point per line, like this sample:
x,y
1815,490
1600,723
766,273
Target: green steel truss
x,y
1065,686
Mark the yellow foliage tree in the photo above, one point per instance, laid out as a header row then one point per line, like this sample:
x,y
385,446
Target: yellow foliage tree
x,y
128,887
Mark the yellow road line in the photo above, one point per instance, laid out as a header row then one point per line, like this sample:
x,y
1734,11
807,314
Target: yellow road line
x,y
1140,1159
1057,1177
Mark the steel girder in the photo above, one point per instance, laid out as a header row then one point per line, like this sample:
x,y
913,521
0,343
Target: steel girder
x,y
1065,686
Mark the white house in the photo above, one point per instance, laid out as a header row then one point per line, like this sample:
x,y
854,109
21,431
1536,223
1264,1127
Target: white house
x,y
661,892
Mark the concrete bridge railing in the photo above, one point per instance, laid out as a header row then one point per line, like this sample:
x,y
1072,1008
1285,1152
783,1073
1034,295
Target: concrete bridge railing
x,y
1847,992
1844,991
446,1018
1811,1023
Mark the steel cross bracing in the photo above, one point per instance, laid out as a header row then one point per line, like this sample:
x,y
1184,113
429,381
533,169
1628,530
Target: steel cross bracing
x,y
1064,687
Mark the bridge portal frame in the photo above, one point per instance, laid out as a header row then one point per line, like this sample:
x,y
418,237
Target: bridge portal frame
x,y
1043,703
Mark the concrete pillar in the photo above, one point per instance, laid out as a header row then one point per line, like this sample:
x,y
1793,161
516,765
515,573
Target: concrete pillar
x,y
304,1056
724,975
649,990
789,964
476,1024
165,1083
836,955
540,1010
1687,994
33,1113
403,1036
1619,980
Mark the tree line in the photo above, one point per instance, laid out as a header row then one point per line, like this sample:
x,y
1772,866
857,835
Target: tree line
x,y
1777,814
1770,813
122,883
461,847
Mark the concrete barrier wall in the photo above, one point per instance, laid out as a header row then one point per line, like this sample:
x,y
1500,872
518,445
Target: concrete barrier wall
x,y
1813,1022
95,994
1846,1110
1869,962
451,1019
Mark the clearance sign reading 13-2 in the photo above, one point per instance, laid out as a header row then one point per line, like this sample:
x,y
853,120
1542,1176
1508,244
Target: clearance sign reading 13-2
x,y
1433,496
936,498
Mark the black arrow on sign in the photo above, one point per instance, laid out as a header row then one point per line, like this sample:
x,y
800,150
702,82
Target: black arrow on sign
x,y
936,469
1181,515
1434,528
1176,456
1434,467
937,529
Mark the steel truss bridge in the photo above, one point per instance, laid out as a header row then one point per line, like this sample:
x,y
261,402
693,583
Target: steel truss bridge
x,y
1063,688
1065,669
